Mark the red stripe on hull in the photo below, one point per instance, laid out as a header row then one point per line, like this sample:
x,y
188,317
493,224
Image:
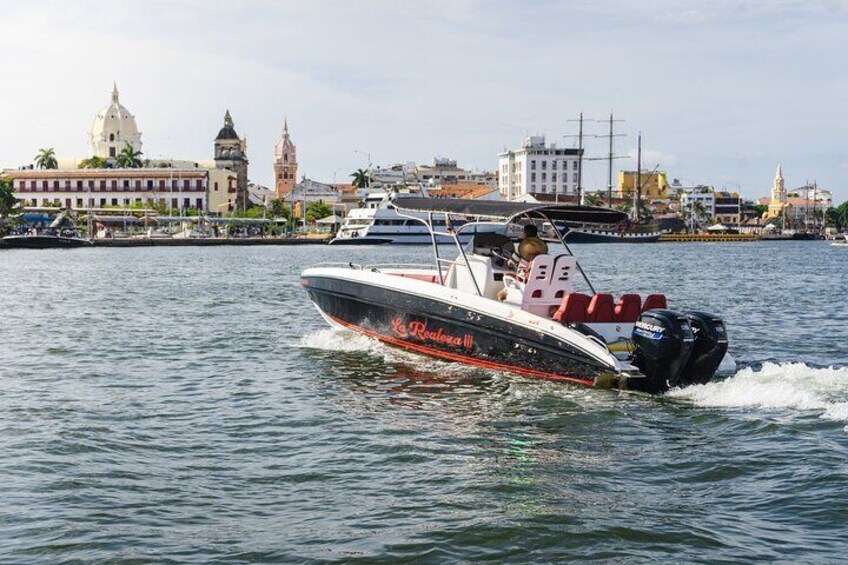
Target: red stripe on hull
x,y
462,358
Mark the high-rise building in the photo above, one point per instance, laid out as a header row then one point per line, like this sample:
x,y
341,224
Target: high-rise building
x,y
285,164
231,154
538,168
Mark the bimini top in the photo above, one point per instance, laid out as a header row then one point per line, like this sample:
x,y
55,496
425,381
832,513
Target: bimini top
x,y
492,209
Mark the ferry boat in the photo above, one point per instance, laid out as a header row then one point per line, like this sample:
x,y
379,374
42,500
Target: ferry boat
x,y
474,308
376,222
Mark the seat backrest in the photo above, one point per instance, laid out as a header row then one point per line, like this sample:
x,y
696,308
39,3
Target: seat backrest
x,y
628,308
654,302
601,309
538,278
565,269
573,308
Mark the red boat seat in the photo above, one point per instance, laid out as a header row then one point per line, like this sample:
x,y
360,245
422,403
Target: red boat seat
x,y
654,302
628,308
601,309
573,308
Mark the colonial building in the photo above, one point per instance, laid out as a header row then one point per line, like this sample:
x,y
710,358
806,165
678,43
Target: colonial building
x,y
113,128
231,154
538,168
101,188
654,184
778,196
285,164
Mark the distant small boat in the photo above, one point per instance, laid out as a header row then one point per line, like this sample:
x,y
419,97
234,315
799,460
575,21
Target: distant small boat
x,y
840,243
62,234
364,240
44,241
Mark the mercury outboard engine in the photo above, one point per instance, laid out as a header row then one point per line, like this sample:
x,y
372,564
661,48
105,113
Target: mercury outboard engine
x,y
708,350
663,343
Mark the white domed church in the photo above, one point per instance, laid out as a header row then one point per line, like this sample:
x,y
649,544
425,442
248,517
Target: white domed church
x,y
113,128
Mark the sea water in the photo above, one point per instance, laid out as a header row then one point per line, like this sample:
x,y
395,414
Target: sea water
x,y
189,405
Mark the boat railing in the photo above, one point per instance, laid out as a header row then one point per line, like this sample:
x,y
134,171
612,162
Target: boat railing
x,y
422,266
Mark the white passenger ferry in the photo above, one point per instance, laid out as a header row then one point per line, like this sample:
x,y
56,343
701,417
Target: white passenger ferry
x,y
376,221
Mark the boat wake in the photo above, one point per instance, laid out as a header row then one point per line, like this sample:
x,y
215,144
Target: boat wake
x,y
776,386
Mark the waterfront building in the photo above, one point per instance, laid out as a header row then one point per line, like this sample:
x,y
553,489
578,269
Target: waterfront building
x,y
538,168
466,191
231,154
654,184
285,164
102,188
728,208
443,170
698,197
113,128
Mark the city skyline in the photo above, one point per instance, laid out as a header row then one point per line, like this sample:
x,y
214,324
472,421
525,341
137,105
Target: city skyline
x,y
722,92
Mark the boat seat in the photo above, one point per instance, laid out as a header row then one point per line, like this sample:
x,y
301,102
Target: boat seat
x,y
601,309
655,302
573,308
537,281
628,308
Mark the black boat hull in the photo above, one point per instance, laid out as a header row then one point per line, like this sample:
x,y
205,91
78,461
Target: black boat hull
x,y
445,330
43,242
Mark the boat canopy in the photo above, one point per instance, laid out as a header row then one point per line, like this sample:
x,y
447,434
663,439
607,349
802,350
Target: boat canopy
x,y
495,210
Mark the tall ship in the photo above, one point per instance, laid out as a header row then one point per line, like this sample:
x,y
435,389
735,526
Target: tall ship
x,y
377,222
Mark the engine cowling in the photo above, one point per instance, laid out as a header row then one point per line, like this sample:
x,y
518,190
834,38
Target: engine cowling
x,y
663,343
708,349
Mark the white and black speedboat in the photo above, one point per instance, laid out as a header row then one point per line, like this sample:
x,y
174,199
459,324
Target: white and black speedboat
x,y
546,327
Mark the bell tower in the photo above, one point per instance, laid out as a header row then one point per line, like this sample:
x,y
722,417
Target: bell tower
x,y
285,164
778,195
231,153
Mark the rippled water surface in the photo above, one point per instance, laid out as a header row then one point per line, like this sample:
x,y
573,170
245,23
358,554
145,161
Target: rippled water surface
x,y
190,406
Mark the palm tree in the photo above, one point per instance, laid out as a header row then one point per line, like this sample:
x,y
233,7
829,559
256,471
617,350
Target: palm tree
x,y
8,202
128,158
361,179
94,162
591,199
46,159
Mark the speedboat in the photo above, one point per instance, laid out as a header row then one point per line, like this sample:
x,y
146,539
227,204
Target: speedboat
x,y
61,234
548,321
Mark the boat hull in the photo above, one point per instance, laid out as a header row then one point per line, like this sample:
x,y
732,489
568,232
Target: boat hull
x,y
600,236
43,242
449,331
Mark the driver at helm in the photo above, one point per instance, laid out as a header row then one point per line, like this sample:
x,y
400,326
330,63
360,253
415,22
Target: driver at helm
x,y
529,248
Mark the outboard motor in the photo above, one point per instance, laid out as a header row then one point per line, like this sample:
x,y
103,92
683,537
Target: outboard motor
x,y
708,350
663,343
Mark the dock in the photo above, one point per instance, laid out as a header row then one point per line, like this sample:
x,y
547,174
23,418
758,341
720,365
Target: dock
x,y
707,237
207,241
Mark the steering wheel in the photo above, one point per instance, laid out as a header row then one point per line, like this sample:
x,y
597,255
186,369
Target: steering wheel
x,y
501,254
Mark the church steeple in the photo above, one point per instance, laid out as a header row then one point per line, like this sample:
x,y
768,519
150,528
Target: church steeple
x,y
285,163
114,93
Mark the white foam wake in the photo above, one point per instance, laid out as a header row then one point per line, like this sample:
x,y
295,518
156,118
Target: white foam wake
x,y
793,386
338,340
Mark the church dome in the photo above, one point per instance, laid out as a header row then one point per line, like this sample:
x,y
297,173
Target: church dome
x,y
113,128
285,150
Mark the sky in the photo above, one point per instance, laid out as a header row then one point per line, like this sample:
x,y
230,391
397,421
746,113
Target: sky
x,y
722,91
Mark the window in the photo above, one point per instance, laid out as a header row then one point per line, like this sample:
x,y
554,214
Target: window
x,y
198,204
544,165
111,152
216,186
553,165
91,184
114,185
553,176
533,165
150,184
114,202
126,184
44,185
533,177
564,177
574,165
544,188
544,176
55,185
79,185
103,185
111,137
